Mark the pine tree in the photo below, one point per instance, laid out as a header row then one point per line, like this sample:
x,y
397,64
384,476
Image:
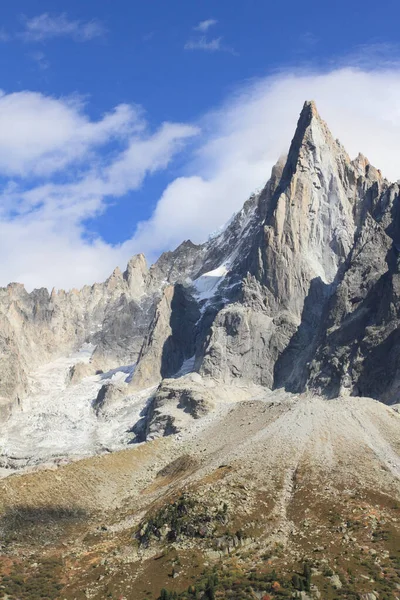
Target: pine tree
x,y
210,589
296,582
307,576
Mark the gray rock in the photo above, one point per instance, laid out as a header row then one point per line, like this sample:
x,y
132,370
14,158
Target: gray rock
x,y
176,402
108,394
37,327
289,269
357,352
170,339
80,370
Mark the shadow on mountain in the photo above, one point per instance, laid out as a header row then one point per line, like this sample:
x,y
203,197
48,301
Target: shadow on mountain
x,y
290,371
368,333
381,370
139,428
361,346
181,343
36,524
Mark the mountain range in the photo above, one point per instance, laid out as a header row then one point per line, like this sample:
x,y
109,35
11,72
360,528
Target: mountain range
x,y
219,403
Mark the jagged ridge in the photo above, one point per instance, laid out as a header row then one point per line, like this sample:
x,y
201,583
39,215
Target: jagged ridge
x,y
299,290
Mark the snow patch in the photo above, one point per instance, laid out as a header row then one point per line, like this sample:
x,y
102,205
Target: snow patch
x,y
207,284
120,374
187,367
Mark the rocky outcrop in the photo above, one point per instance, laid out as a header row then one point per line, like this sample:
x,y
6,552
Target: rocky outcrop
x,y
108,395
79,371
242,345
358,351
176,402
171,337
136,276
37,327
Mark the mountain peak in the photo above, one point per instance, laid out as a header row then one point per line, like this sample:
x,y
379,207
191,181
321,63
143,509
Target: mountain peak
x,y
309,110
311,133
308,114
135,273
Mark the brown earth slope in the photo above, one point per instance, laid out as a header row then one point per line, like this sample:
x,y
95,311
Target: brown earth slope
x,y
255,490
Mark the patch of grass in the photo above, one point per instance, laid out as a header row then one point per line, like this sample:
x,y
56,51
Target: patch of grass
x,y
42,582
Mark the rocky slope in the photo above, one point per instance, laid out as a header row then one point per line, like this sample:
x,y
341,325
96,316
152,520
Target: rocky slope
x,y
254,485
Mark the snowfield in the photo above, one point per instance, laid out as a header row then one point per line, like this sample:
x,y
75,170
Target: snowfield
x,y
58,418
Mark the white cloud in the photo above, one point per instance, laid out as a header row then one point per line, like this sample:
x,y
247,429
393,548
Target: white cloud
x,y
41,134
51,253
41,60
66,178
44,27
202,43
43,237
204,26
248,134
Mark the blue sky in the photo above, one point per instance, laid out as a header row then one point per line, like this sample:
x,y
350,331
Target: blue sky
x,y
129,126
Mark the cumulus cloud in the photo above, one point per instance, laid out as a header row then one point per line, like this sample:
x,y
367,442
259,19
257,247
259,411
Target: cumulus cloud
x,y
45,26
204,26
58,169
41,134
71,176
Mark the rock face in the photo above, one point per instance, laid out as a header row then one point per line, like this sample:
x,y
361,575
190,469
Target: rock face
x,y
175,402
170,339
308,220
178,402
39,326
358,351
300,290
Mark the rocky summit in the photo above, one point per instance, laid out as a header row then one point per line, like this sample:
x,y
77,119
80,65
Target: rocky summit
x,y
224,423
